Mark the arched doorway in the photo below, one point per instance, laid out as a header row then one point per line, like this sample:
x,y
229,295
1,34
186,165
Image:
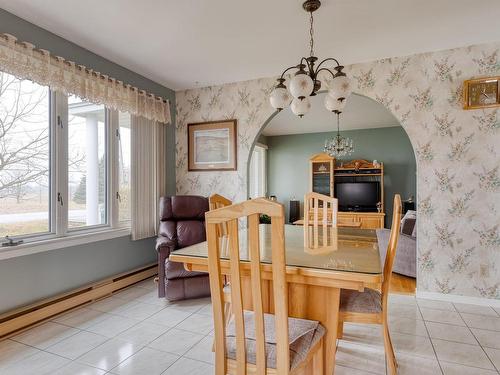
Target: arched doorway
x,y
289,142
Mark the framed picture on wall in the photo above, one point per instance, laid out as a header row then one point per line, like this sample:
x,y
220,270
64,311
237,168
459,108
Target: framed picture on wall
x,y
212,146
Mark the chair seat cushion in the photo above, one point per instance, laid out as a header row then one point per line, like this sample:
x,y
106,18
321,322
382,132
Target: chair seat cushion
x,y
303,335
369,301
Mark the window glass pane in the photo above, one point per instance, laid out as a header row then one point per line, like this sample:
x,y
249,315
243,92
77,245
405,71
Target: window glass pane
x,y
124,168
87,165
24,157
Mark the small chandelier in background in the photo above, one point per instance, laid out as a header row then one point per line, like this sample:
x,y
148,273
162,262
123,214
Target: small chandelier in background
x,y
339,146
305,82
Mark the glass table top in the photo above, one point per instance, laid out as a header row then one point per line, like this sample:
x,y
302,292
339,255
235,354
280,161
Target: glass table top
x,y
339,249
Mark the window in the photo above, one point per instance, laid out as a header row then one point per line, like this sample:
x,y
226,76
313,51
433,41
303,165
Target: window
x,y
64,163
258,183
87,163
24,157
124,208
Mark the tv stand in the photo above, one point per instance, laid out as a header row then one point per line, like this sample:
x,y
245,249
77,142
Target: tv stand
x,y
358,171
365,220
358,209
325,171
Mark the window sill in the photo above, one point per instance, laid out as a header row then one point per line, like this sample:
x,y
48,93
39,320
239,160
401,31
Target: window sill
x,y
61,242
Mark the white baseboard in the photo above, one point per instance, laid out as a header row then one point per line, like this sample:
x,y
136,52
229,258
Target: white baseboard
x,y
17,320
459,299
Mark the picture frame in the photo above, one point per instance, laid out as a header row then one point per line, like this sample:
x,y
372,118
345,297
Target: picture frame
x,y
212,146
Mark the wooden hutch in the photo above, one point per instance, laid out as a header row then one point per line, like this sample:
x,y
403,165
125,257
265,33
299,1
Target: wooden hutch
x,y
324,173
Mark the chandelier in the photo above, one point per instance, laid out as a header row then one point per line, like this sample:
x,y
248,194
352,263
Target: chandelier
x,y
305,82
339,146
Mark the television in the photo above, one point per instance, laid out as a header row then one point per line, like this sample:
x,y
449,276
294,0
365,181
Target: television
x,y
357,196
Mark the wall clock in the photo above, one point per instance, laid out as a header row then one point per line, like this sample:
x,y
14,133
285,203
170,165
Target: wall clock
x,y
481,93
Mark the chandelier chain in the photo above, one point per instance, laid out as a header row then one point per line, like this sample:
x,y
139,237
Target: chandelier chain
x,y
311,34
296,90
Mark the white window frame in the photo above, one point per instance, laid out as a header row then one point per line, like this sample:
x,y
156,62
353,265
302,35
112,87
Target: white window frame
x,y
258,171
116,167
109,139
59,235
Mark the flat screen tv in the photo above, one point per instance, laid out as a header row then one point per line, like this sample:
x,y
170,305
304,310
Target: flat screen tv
x,y
357,196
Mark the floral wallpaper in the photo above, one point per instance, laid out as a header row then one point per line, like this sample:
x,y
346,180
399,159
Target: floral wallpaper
x,y
458,156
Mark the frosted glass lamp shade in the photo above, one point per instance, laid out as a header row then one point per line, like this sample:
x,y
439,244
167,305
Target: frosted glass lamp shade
x,y
300,107
340,87
301,86
334,104
280,98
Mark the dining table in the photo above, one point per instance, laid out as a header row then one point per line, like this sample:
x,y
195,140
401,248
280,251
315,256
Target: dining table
x,y
320,261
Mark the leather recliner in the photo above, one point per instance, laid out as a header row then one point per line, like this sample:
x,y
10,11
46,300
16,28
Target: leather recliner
x,y
182,223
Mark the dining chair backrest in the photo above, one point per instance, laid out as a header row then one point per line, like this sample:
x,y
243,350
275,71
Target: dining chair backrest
x,y
216,201
391,247
251,210
324,210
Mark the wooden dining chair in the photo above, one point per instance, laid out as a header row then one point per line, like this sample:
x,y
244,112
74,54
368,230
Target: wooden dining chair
x,y
324,211
370,306
216,201
255,342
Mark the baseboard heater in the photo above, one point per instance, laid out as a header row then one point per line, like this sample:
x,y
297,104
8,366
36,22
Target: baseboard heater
x,y
24,317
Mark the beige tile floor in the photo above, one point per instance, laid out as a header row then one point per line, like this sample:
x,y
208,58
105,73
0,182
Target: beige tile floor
x,y
134,332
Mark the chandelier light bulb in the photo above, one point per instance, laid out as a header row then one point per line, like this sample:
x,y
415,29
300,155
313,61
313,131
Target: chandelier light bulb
x,y
340,87
300,107
280,98
333,104
301,86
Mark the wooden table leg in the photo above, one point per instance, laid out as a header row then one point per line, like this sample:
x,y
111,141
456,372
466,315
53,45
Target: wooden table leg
x,y
322,304
331,325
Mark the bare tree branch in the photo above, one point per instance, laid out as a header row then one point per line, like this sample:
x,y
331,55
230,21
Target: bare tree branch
x,y
24,136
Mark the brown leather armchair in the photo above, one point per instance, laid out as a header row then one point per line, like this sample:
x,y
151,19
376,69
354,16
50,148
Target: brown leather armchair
x,y
182,223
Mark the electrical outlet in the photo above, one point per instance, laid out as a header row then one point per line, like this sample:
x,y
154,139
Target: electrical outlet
x,y
484,270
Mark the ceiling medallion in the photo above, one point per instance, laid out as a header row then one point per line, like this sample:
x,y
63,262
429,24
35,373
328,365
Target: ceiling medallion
x,y
339,146
305,82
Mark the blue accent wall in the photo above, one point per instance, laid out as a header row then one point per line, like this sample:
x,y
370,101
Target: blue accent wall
x,y
288,162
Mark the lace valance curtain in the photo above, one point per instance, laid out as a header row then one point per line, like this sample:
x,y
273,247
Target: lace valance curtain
x,y
24,61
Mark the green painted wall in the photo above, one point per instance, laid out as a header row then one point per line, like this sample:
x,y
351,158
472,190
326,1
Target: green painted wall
x,y
288,162
26,279
262,139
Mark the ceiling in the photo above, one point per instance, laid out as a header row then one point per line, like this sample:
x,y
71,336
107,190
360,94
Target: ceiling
x,y
360,112
190,43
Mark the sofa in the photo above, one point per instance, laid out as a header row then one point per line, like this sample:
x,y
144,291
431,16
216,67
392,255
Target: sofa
x,y
406,253
182,223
